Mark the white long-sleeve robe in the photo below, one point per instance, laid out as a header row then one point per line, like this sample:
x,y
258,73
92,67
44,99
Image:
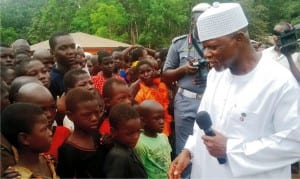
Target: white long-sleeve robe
x,y
259,113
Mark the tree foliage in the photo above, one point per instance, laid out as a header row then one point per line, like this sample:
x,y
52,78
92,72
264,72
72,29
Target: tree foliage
x,y
152,23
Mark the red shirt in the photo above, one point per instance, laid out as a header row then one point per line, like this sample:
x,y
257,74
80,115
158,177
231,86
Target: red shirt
x,y
99,81
60,135
104,127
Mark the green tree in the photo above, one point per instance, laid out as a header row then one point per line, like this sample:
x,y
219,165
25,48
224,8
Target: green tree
x,y
16,18
82,22
8,35
109,20
152,23
257,18
54,17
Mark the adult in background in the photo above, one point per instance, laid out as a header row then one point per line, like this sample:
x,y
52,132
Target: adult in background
x,y
288,60
63,48
191,82
253,103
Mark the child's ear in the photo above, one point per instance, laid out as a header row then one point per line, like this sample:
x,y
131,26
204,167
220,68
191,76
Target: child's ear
x,y
23,139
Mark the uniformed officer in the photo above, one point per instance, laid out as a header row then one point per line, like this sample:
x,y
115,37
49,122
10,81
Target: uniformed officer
x,y
184,65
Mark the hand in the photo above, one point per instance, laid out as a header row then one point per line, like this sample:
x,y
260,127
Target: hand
x,y
179,164
134,88
61,103
188,68
216,145
10,173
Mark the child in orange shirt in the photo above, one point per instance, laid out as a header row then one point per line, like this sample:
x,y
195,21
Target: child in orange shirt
x,y
153,88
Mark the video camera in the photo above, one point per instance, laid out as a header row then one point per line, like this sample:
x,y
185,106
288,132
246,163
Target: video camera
x,y
288,40
202,64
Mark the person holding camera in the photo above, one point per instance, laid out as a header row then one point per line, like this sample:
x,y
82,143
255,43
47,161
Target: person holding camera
x,y
286,57
185,65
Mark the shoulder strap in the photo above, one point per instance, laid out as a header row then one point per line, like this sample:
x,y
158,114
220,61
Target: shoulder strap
x,y
196,45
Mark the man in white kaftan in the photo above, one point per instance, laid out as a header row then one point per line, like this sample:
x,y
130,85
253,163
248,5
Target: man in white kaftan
x,y
259,115
253,103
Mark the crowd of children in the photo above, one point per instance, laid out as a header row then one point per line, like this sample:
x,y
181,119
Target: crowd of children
x,y
64,114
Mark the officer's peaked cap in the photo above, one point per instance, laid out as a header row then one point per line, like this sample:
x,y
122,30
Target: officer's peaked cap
x,y
201,7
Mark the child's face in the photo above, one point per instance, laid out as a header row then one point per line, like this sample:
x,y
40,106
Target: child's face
x,y
81,58
154,121
90,66
48,61
107,66
40,138
145,73
10,76
128,132
86,116
4,100
117,59
84,81
48,105
120,95
6,57
40,71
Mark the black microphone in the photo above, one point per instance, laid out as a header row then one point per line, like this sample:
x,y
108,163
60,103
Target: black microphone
x,y
204,122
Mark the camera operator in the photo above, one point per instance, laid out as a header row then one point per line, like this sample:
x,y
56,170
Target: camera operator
x,y
288,60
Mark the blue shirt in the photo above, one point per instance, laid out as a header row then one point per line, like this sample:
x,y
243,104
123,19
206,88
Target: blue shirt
x,y
56,85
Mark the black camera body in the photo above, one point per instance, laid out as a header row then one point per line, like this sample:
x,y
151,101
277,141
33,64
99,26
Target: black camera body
x,y
288,40
202,64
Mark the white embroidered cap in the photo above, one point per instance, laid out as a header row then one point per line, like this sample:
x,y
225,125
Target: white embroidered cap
x,y
220,20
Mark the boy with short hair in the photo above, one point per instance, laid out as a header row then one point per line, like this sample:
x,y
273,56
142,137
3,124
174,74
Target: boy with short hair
x,y
154,89
37,94
115,91
45,57
78,78
7,74
36,68
75,78
82,155
6,56
122,161
153,147
107,66
25,126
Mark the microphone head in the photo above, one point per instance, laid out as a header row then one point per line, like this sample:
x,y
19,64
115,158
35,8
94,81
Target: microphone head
x,y
203,120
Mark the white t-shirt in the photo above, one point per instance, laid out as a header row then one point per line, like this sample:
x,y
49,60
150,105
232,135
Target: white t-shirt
x,y
259,114
280,58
